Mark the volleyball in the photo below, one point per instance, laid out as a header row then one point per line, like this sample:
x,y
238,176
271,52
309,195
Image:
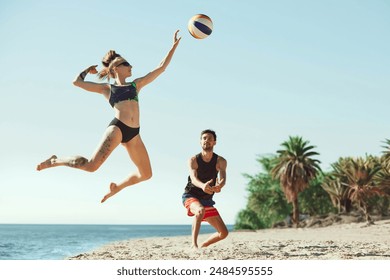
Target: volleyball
x,y
200,26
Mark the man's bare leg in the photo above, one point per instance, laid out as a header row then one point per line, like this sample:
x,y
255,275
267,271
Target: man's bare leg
x,y
195,232
221,233
198,210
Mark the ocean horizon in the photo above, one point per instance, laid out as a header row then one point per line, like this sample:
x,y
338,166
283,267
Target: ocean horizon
x,y
60,241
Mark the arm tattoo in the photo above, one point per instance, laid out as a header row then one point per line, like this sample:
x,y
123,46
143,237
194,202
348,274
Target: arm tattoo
x,y
83,74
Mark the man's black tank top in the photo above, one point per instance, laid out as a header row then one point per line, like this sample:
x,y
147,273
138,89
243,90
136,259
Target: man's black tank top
x,y
206,171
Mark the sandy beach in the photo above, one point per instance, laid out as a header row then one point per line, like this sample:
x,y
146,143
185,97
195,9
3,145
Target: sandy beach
x,y
352,241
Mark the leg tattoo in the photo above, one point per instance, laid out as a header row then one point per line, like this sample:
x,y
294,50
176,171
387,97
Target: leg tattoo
x,y
78,162
106,148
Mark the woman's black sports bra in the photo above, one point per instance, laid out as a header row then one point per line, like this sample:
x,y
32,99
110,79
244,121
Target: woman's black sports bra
x,y
122,93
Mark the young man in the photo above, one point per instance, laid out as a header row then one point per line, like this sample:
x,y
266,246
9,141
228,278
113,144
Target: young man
x,y
207,176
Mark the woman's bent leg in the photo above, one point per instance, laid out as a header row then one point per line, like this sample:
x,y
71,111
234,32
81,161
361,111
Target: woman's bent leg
x,y
139,155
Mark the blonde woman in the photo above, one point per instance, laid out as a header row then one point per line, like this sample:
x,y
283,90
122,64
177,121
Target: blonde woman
x,y
124,128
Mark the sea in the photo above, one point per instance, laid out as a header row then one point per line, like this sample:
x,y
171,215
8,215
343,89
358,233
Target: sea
x,y
58,242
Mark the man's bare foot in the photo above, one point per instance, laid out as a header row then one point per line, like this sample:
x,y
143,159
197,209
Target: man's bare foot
x,y
47,163
113,190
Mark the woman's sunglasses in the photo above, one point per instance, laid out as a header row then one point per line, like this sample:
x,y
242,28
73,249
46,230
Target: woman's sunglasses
x,y
124,64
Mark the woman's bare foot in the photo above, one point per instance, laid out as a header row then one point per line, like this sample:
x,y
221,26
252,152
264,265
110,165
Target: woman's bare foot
x,y
113,190
47,163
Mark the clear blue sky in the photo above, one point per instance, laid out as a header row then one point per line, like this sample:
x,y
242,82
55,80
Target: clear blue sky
x,y
270,69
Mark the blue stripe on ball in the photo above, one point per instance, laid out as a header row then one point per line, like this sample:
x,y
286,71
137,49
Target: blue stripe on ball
x,y
204,28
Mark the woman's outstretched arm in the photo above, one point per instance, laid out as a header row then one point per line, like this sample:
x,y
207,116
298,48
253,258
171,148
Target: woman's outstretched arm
x,y
151,76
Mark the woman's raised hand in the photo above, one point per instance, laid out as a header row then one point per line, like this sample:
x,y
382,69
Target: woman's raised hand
x,y
175,39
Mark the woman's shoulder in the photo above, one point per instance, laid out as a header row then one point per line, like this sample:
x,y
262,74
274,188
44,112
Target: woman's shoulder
x,y
136,81
134,84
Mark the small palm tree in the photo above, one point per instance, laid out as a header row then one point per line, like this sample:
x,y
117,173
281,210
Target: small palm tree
x,y
361,174
336,185
382,178
294,168
386,155
337,192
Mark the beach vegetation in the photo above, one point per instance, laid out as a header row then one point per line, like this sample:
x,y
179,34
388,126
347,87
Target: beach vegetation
x,y
385,159
359,175
336,185
359,185
314,200
267,205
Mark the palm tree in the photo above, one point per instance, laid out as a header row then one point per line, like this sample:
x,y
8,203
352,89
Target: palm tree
x,y
336,185
337,192
382,179
383,176
361,174
294,168
386,155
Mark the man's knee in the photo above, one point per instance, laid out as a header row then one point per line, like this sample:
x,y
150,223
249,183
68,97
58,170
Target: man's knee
x,y
223,233
199,212
147,175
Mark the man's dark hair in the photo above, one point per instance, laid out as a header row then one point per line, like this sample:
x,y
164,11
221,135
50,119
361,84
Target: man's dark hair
x,y
209,131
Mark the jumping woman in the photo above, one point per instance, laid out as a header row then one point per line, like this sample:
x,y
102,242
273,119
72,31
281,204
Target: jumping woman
x,y
124,128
